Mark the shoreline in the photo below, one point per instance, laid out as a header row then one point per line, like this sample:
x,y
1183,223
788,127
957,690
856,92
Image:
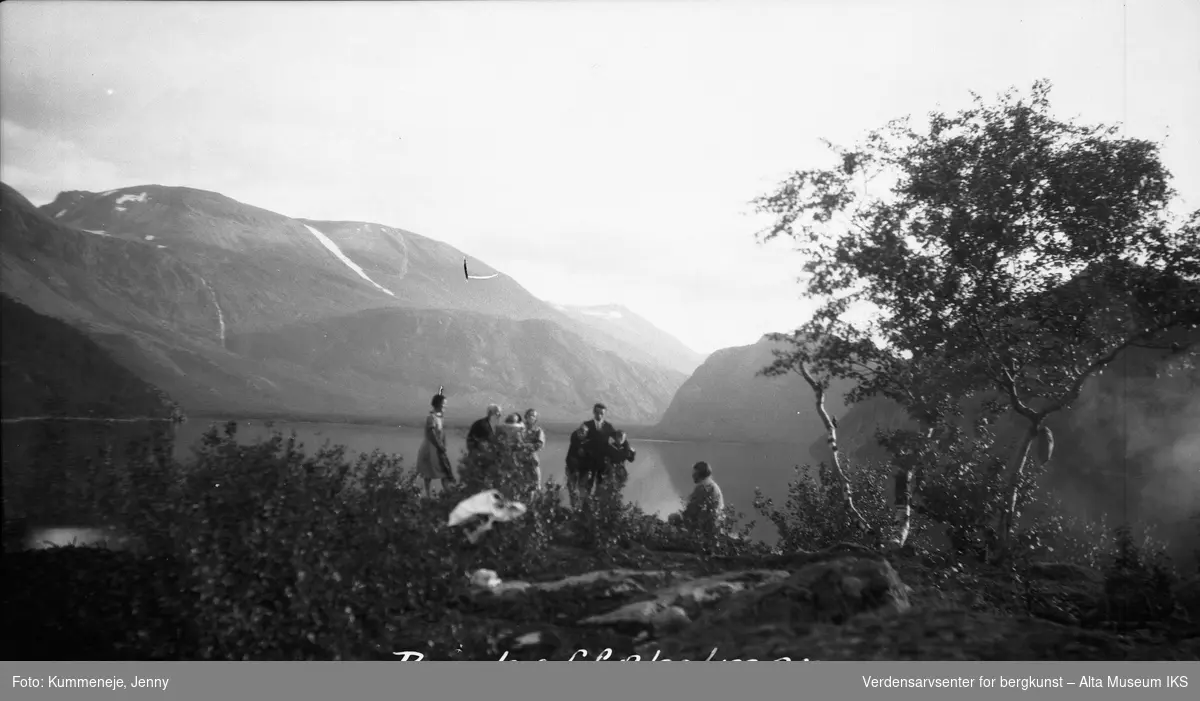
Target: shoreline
x,y
640,433
94,419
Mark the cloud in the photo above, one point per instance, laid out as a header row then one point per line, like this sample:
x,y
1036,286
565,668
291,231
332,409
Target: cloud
x,y
593,146
40,165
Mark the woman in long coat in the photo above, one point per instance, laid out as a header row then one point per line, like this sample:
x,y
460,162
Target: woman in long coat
x,y
432,461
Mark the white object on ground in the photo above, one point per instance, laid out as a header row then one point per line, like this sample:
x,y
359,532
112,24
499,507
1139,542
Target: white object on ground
x,y
485,579
490,504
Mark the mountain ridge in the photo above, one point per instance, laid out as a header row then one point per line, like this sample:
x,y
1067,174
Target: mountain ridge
x,y
418,271
726,400
167,300
628,326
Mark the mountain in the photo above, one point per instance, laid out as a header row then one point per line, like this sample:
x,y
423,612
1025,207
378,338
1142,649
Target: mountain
x,y
165,278
50,369
624,325
398,357
725,400
1129,446
277,270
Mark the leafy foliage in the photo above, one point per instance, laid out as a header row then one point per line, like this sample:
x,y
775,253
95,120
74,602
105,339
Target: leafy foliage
x,y
1001,254
815,516
269,551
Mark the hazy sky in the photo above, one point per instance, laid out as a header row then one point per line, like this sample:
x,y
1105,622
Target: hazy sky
x,y
595,151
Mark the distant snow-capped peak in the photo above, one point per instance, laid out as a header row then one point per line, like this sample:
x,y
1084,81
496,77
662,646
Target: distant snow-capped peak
x,y
140,197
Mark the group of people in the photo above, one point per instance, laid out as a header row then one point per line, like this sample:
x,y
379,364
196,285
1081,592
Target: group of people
x,y
597,455
517,431
598,450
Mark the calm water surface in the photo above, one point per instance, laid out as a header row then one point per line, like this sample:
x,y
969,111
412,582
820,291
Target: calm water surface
x,y
659,479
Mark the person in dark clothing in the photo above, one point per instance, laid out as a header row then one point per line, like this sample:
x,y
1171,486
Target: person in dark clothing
x,y
619,453
576,464
596,445
483,432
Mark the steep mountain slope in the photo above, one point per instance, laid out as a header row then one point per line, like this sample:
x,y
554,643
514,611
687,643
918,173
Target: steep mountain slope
x,y
267,270
47,368
725,400
624,325
166,277
398,357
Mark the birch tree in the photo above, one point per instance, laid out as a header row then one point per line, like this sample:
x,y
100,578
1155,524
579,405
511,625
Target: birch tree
x,y
1000,251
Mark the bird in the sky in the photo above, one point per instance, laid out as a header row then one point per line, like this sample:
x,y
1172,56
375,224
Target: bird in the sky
x,y
476,277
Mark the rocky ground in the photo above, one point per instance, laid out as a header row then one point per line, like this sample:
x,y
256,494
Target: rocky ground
x,y
846,603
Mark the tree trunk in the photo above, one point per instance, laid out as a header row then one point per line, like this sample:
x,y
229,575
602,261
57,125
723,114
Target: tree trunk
x,y
1008,508
903,500
847,492
902,506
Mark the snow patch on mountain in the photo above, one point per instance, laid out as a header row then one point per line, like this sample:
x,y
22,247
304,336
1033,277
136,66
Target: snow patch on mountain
x,y
161,246
333,248
106,193
149,238
59,215
120,208
140,197
98,232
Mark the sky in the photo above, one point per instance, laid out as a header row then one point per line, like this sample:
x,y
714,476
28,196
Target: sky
x,y
597,152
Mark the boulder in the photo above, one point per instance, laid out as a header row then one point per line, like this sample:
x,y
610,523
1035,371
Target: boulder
x,y
604,584
830,589
933,634
673,607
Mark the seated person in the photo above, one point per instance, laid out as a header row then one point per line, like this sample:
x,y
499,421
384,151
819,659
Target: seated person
x,y
705,509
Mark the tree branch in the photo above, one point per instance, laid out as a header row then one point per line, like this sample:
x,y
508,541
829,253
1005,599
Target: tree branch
x,y
1010,386
1077,384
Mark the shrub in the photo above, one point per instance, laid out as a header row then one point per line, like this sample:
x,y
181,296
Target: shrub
x,y
303,557
816,517
1139,578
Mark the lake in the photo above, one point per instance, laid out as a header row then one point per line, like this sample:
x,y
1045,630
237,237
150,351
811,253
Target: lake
x,y
659,479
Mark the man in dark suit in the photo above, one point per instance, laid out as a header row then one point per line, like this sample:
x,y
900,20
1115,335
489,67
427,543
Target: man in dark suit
x,y
577,474
619,453
483,432
596,446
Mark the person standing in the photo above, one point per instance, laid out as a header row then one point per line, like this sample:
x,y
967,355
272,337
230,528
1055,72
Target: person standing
x,y
596,446
619,453
483,432
576,464
510,434
432,461
535,440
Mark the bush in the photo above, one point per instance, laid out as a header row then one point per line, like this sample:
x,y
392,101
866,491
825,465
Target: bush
x,y
298,557
1056,536
815,516
1139,579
